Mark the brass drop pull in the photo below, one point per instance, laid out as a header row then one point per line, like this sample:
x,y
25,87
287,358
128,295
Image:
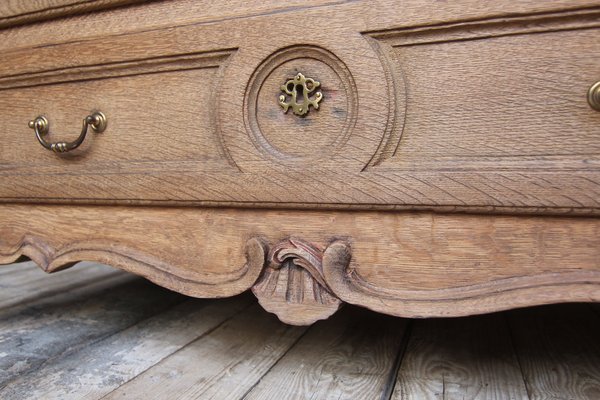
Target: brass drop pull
x,y
41,126
593,96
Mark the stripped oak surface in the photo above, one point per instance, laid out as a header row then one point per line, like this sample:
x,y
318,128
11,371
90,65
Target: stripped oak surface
x,y
487,144
17,12
92,332
467,106
403,264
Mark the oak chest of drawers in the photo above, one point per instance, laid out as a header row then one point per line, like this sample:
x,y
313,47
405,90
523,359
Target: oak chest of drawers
x,y
418,158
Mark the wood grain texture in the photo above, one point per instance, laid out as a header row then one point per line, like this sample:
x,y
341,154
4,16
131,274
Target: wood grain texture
x,y
233,356
138,121
27,282
462,358
350,356
405,264
81,316
428,107
498,125
381,15
125,354
497,108
187,269
17,12
355,353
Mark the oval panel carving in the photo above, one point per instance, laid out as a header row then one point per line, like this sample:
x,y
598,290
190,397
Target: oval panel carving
x,y
318,134
259,136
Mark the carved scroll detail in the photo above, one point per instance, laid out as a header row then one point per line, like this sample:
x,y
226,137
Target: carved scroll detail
x,y
52,258
293,285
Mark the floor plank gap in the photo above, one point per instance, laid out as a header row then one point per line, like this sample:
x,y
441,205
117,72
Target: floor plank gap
x,y
244,396
391,382
222,364
518,358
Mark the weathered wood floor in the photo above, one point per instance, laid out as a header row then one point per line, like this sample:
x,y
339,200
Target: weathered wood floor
x,y
93,332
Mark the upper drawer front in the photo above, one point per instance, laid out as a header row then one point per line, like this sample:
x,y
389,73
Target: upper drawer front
x,y
157,111
488,114
17,12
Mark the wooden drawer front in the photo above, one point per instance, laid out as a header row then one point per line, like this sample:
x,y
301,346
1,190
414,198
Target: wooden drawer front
x,y
485,114
156,114
513,101
17,12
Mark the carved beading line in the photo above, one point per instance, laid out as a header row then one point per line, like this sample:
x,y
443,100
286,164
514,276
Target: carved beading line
x,y
490,28
154,65
396,87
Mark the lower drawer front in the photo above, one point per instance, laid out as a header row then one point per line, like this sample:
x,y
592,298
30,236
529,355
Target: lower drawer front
x,y
302,265
482,115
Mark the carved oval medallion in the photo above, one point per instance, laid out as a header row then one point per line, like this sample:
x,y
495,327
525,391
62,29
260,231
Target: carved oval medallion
x,y
283,136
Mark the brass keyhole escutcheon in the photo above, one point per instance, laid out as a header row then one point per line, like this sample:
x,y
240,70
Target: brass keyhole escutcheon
x,y
300,89
593,96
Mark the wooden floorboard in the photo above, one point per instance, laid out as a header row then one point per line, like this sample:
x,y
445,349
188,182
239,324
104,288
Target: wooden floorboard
x,y
460,358
559,350
9,269
34,334
224,364
125,355
28,282
93,332
349,356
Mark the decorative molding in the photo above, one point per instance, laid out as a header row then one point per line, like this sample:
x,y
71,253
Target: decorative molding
x,y
132,67
397,104
384,43
293,285
303,283
51,259
402,264
346,282
490,28
512,178
35,11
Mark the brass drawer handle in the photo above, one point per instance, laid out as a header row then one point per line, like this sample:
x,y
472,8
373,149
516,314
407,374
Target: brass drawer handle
x,y
593,96
41,126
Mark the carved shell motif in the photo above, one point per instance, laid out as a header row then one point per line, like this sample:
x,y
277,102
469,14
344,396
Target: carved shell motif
x,y
293,286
